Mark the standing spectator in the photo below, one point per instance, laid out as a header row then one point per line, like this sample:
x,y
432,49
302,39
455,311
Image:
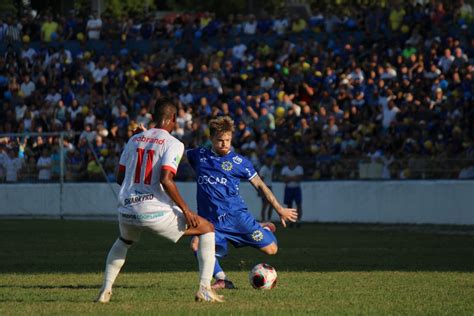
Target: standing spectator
x,y
239,49
144,117
26,51
390,111
3,30
280,25
49,29
298,25
250,26
13,163
446,61
396,17
292,175
12,33
27,87
44,166
266,173
94,26
28,172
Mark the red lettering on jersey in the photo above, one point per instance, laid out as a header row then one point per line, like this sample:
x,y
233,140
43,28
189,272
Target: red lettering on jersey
x,y
151,140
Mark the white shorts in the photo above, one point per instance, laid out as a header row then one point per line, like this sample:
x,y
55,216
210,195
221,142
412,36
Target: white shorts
x,y
171,225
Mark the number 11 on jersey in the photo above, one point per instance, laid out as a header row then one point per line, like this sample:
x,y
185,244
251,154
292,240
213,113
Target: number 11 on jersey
x,y
148,165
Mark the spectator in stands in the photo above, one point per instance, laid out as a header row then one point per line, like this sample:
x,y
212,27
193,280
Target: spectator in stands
x,y
29,172
49,29
44,165
379,77
292,174
14,161
94,26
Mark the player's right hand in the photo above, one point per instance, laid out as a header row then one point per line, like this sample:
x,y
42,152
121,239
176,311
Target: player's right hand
x,y
288,214
192,219
139,129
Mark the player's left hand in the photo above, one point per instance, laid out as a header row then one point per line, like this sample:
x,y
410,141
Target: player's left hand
x,y
288,214
192,219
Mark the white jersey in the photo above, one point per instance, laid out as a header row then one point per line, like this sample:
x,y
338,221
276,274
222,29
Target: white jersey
x,y
266,173
142,197
297,171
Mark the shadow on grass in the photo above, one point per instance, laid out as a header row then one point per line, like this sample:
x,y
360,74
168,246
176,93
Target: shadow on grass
x,y
44,246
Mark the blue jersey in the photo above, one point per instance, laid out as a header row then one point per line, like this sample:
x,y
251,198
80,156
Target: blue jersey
x,y
218,179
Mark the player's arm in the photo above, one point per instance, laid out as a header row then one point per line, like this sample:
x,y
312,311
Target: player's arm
x,y
167,181
286,214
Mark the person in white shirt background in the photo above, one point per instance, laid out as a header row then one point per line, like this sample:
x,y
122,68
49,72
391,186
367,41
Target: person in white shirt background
x,y
94,26
266,174
292,175
44,166
13,164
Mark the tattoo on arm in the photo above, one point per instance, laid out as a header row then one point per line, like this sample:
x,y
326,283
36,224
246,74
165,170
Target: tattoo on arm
x,y
265,191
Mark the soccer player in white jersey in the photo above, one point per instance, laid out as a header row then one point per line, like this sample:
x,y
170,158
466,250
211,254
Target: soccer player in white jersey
x,y
149,200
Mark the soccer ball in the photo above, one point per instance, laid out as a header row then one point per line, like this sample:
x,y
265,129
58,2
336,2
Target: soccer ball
x,y
263,277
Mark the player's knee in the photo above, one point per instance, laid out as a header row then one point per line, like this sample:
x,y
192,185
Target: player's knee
x,y
195,243
271,249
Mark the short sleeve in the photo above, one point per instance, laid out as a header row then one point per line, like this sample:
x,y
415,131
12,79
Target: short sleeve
x,y
246,170
124,157
284,172
300,171
172,157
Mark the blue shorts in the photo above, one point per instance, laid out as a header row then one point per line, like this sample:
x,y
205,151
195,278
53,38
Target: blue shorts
x,y
292,194
240,229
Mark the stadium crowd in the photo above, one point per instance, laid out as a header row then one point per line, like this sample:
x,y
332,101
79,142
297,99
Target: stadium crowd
x,y
386,85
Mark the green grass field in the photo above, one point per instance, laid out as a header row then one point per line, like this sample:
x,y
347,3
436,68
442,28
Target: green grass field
x,y
55,267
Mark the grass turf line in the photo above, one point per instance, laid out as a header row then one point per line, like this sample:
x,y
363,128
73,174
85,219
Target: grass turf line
x,y
55,267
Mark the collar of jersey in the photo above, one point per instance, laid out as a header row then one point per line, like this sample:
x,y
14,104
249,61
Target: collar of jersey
x,y
216,154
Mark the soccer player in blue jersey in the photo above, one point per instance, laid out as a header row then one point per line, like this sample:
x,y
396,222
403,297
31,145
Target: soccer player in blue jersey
x,y
218,173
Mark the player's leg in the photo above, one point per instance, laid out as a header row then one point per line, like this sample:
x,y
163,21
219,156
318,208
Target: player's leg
x,y
205,253
222,282
254,234
268,236
205,250
173,227
116,259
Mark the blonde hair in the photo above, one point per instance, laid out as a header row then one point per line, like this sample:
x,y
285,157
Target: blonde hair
x,y
222,124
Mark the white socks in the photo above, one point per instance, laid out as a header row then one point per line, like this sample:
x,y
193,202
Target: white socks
x,y
206,258
115,261
220,276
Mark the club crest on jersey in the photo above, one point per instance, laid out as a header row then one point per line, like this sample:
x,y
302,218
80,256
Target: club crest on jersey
x,y
257,235
237,160
226,165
